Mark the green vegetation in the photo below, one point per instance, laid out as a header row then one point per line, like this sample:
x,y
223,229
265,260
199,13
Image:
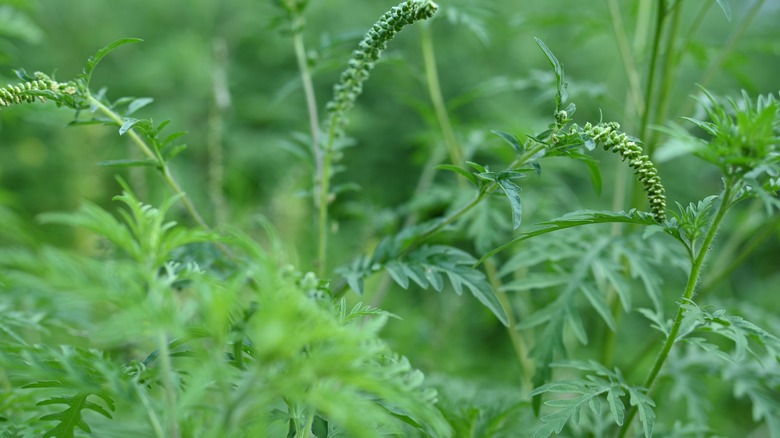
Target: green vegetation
x,y
275,277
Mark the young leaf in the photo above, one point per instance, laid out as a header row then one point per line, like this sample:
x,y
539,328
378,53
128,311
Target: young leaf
x,y
511,140
128,162
561,94
512,192
460,171
137,104
93,61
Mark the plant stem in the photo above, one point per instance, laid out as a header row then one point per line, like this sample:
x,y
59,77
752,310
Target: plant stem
x,y
629,64
693,278
323,200
308,90
162,166
322,158
452,217
728,47
434,89
153,419
518,343
167,376
671,59
649,87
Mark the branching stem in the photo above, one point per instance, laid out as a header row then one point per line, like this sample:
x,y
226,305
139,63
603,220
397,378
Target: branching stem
x,y
159,161
693,278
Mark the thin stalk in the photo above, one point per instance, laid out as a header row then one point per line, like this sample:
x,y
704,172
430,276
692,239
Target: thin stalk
x,y
629,65
309,423
724,52
518,343
153,419
690,288
715,66
339,289
650,86
323,201
161,164
168,385
671,59
216,166
308,90
322,156
452,217
434,89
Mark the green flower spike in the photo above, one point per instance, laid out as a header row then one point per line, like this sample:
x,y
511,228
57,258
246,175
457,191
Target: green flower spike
x,y
363,59
39,87
614,140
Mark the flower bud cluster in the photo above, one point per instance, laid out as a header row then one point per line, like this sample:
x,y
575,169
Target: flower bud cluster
x,y
28,91
370,48
614,140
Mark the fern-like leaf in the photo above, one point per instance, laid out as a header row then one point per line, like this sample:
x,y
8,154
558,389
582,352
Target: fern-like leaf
x,y
71,418
427,266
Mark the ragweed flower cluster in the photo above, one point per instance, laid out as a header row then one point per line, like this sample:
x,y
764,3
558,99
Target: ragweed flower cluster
x,y
39,87
363,59
614,140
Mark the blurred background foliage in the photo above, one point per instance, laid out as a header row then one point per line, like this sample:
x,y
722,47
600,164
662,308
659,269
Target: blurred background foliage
x,y
493,76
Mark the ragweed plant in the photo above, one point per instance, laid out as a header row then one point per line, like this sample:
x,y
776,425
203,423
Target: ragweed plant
x,y
172,330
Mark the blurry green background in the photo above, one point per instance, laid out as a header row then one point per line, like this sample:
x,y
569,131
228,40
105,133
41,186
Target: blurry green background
x,y
492,73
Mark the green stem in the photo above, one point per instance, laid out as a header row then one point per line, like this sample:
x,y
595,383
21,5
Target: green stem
x,y
323,200
629,65
308,90
671,58
159,162
518,343
322,158
159,432
434,89
452,217
167,377
690,288
725,51
650,86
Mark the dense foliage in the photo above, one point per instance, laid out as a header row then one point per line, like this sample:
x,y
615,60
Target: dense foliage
x,y
597,207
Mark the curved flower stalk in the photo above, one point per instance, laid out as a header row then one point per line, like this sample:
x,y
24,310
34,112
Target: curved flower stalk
x,y
347,90
350,85
614,140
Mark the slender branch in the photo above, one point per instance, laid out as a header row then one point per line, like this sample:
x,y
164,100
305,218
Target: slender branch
x,y
690,288
518,343
629,65
650,86
434,89
308,90
452,217
159,161
168,384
